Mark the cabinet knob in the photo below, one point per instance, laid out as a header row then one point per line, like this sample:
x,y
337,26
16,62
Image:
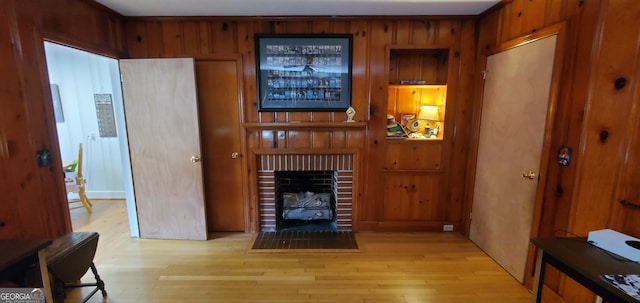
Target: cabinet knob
x,y
235,155
195,159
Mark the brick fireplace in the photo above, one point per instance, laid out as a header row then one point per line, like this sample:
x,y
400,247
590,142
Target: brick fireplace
x,y
341,164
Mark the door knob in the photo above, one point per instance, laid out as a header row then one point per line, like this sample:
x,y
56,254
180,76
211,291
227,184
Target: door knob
x,y
530,175
235,155
195,159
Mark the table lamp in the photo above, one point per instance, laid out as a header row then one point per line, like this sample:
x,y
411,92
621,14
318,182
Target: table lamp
x,y
428,113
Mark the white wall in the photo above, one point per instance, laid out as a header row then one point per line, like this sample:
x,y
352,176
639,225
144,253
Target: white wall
x,y
79,75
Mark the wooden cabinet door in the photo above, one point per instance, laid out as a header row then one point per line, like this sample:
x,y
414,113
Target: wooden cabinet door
x,y
411,197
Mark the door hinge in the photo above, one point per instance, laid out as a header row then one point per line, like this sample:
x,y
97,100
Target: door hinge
x,y
470,216
121,78
484,74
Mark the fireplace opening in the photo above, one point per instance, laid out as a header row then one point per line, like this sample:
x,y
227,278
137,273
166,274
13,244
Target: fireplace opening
x,y
306,200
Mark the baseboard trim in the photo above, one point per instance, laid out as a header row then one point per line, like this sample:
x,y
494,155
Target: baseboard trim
x,y
105,194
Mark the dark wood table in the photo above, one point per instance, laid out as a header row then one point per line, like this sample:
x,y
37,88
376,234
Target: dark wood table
x,y
13,252
585,264
69,258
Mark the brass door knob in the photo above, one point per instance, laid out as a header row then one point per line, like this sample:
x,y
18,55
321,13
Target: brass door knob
x,y
195,159
529,175
235,155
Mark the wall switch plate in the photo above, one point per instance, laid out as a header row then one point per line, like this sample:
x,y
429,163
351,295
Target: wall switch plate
x,y
447,227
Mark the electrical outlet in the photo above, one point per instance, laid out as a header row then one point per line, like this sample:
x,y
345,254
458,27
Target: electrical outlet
x,y
447,227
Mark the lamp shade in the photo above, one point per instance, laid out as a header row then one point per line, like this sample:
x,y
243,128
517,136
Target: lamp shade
x,y
428,112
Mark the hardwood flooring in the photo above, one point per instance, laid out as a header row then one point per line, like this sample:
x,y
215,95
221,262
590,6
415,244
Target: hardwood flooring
x,y
388,267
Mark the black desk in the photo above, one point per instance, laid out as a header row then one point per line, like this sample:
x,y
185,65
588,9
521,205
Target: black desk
x,y
585,264
13,252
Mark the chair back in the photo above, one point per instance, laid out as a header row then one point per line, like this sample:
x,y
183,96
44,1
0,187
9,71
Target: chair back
x,y
79,186
79,175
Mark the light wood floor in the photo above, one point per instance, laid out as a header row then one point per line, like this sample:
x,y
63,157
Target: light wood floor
x,y
389,267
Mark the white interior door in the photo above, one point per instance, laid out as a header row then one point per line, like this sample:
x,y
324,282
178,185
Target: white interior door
x,y
164,141
514,113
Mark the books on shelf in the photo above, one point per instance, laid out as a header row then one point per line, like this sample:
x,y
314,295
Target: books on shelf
x,y
409,82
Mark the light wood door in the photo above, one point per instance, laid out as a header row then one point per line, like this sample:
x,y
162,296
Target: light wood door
x,y
164,142
514,113
219,99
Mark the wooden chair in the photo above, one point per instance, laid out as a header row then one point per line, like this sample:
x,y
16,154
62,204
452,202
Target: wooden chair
x,y
79,187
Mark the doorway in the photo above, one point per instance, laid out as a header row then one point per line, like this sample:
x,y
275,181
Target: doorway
x,y
88,110
513,126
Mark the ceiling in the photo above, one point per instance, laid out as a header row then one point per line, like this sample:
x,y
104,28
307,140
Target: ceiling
x,y
297,7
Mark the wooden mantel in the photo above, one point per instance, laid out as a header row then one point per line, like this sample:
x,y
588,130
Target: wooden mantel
x,y
304,125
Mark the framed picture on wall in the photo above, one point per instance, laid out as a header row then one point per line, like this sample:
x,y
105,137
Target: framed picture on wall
x,y
303,72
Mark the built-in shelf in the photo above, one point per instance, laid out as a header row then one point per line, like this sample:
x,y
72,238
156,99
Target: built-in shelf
x,y
412,140
304,125
417,85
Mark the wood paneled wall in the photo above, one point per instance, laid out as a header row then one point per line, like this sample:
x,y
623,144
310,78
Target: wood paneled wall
x,y
600,48
215,36
33,202
519,18
583,196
